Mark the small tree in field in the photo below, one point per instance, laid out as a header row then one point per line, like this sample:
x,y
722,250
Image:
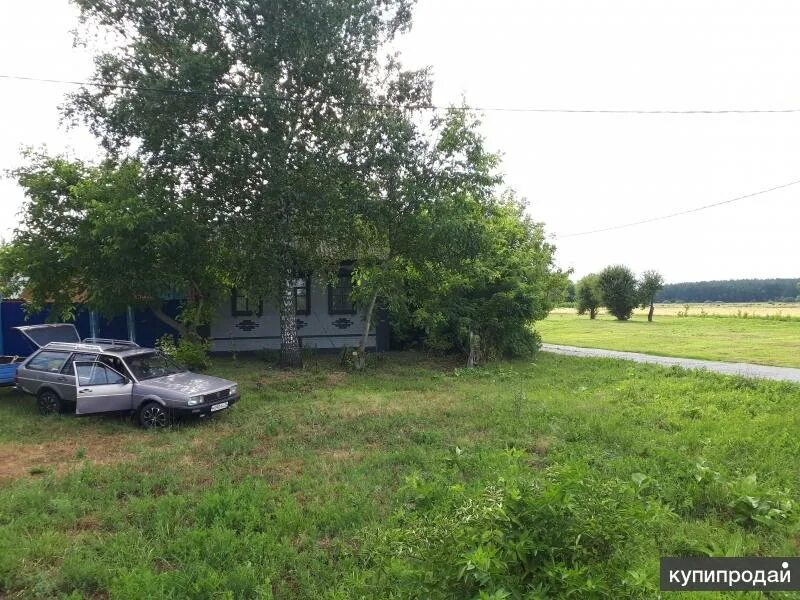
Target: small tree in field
x,y
619,291
587,295
649,285
569,291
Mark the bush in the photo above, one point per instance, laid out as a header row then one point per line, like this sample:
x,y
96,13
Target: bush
x,y
491,274
747,501
588,295
619,289
564,535
192,354
346,359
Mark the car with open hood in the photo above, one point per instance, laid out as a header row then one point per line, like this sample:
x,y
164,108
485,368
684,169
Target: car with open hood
x,y
99,375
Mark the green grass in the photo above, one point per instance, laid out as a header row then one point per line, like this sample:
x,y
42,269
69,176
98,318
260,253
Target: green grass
x,y
325,484
755,340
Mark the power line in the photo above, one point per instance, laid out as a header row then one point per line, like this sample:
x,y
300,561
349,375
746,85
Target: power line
x,y
683,212
424,106
372,105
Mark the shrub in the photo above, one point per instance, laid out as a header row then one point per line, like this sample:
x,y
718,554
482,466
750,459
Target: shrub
x,y
748,501
589,298
618,288
563,535
192,354
346,359
491,274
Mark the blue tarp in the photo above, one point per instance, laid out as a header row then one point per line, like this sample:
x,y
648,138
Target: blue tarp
x,y
147,327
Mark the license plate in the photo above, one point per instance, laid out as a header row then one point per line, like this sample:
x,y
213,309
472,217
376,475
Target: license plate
x,y
220,406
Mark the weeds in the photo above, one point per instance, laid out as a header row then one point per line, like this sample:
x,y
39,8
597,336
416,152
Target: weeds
x,y
564,478
193,354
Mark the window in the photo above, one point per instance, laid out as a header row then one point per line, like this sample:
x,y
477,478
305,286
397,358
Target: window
x,y
48,360
115,362
96,373
302,295
242,306
150,365
339,302
77,357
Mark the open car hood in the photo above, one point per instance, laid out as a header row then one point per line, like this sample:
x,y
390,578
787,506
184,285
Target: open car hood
x,y
41,335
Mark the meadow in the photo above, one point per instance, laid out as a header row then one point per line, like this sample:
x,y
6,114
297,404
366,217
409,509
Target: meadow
x,y
777,310
769,339
558,477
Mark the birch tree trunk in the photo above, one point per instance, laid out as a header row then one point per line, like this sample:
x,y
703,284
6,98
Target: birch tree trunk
x,y
361,355
474,343
290,354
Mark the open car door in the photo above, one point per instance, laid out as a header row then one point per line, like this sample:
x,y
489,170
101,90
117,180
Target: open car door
x,y
41,335
101,389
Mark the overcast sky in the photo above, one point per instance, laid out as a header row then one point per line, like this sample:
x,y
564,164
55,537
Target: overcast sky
x,y
578,171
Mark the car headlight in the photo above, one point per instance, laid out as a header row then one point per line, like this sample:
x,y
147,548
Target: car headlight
x,y
234,389
195,400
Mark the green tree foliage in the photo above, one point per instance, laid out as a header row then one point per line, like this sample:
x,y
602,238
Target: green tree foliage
x,y
493,277
250,115
618,289
732,290
265,129
588,295
109,238
570,291
419,173
397,177
649,285
451,260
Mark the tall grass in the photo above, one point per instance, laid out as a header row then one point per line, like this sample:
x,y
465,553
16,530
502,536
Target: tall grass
x,y
561,477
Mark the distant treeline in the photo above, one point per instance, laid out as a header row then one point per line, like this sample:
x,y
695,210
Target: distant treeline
x,y
732,290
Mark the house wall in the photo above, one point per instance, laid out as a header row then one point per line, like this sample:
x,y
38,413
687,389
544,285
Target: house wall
x,y
228,333
319,329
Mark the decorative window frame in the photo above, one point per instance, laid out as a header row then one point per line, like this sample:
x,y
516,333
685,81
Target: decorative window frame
x,y
245,313
307,311
344,271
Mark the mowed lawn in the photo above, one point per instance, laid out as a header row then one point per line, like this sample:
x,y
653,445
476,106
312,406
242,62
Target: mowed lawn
x,y
754,340
559,477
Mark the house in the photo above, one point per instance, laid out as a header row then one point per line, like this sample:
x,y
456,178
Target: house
x,y
326,319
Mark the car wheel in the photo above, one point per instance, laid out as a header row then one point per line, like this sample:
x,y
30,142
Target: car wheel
x,y
154,416
49,403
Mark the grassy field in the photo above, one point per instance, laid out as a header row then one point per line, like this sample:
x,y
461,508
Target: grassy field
x,y
720,309
413,480
755,340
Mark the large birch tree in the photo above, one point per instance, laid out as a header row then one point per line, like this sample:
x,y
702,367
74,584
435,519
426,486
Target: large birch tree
x,y
251,106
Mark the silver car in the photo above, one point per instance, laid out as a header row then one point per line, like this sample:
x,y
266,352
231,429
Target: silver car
x,y
102,375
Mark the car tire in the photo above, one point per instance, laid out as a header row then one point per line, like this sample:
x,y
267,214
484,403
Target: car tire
x,y
49,403
152,415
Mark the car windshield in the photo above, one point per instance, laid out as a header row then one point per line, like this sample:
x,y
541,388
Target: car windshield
x,y
152,365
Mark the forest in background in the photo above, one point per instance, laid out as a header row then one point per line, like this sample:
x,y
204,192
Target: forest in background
x,y
732,290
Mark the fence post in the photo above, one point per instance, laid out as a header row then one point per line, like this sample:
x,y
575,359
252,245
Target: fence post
x,y
131,326
92,324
